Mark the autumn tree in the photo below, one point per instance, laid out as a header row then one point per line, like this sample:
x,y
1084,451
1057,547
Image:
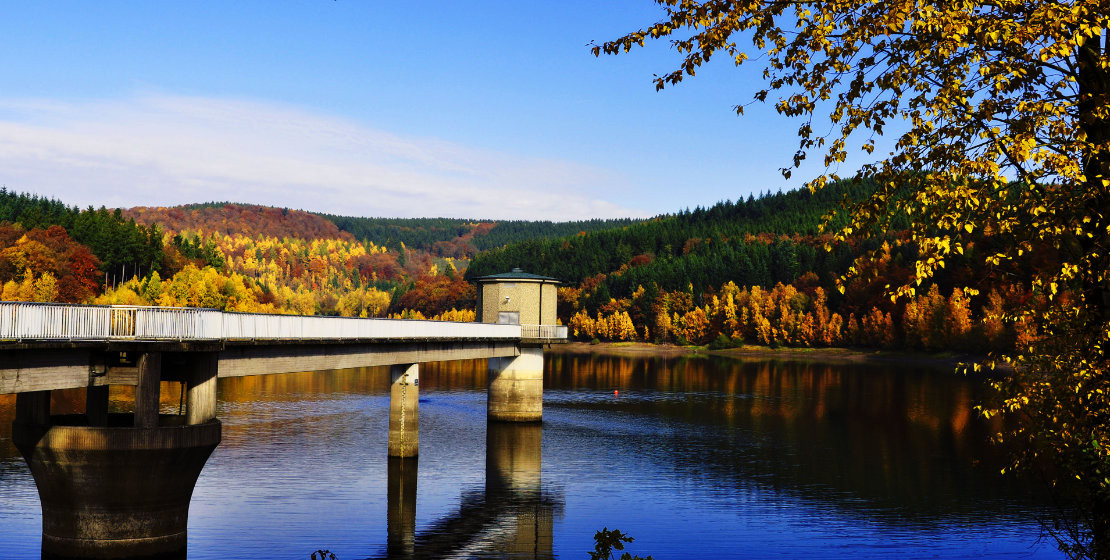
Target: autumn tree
x,y
1000,133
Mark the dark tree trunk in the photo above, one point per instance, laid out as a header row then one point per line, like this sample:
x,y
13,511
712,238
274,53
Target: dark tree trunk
x,y
1093,96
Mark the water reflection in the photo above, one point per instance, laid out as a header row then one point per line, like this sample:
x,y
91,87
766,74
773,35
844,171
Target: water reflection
x,y
691,456
401,508
856,435
511,517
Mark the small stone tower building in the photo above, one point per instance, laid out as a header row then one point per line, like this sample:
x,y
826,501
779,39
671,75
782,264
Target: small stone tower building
x,y
516,298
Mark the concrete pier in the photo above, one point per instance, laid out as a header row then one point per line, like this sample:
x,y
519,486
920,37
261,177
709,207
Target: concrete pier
x,y
117,485
401,507
404,420
116,491
96,405
515,391
200,382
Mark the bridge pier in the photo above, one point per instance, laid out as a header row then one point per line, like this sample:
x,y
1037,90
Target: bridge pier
x,y
114,485
404,419
515,391
200,382
96,405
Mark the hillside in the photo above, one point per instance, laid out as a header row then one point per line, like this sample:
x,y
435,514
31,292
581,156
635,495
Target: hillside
x,y
448,237
250,220
755,270
439,237
759,270
675,241
120,245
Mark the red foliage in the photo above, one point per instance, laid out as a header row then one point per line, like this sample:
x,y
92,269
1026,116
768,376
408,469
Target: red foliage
x,y
49,250
640,260
244,219
432,295
383,265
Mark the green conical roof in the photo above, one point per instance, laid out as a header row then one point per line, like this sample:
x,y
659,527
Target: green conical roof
x,y
515,274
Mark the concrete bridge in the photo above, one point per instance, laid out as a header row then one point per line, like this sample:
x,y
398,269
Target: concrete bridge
x,y
118,485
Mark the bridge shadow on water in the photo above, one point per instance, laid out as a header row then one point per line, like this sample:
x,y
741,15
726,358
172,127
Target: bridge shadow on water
x,y
511,517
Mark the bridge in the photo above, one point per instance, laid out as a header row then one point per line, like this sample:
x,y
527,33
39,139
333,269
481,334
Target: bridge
x,y
118,485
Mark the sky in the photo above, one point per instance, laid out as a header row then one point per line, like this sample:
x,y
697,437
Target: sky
x,y
357,107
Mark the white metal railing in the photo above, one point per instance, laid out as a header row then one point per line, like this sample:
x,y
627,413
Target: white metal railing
x,y
543,331
47,321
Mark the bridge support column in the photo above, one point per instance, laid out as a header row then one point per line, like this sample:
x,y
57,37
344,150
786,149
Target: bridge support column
x,y
148,391
120,490
33,407
96,405
200,380
515,392
404,420
401,512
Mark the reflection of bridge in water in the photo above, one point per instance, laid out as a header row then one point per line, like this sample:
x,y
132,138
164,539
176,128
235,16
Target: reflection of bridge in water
x,y
510,518
119,485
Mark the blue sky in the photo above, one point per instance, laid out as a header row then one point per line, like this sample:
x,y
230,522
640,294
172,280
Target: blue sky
x,y
461,109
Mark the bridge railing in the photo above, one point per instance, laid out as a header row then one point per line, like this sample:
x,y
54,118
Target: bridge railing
x,y
255,326
544,331
51,322
47,321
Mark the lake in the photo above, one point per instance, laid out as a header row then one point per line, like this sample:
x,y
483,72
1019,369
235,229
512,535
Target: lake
x,y
694,457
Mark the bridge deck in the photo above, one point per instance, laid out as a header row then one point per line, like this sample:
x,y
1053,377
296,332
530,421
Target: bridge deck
x,y
41,321
52,346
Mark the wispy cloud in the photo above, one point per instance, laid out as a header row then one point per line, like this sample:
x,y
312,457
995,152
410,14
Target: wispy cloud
x,y
162,150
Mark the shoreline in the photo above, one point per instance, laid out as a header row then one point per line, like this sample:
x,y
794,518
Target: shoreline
x,y
840,355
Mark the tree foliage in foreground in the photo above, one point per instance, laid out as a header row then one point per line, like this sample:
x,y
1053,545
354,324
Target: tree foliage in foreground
x,y
1001,138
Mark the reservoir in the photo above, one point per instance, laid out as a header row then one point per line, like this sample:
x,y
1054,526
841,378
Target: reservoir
x,y
708,457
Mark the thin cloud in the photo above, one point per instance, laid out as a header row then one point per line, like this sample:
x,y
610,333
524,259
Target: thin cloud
x,y
160,150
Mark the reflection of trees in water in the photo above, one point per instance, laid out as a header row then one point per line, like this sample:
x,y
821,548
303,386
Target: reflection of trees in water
x,y
305,396
850,435
862,434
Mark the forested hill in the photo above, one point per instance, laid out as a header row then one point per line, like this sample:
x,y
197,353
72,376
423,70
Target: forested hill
x,y
250,220
441,237
119,243
703,246
450,237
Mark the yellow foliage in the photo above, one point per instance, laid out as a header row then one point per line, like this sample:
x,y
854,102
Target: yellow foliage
x,y
23,291
1001,131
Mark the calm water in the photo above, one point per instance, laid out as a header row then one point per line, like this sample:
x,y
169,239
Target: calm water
x,y
711,458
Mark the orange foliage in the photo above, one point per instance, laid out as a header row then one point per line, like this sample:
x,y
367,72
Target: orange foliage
x,y
70,266
247,220
432,295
